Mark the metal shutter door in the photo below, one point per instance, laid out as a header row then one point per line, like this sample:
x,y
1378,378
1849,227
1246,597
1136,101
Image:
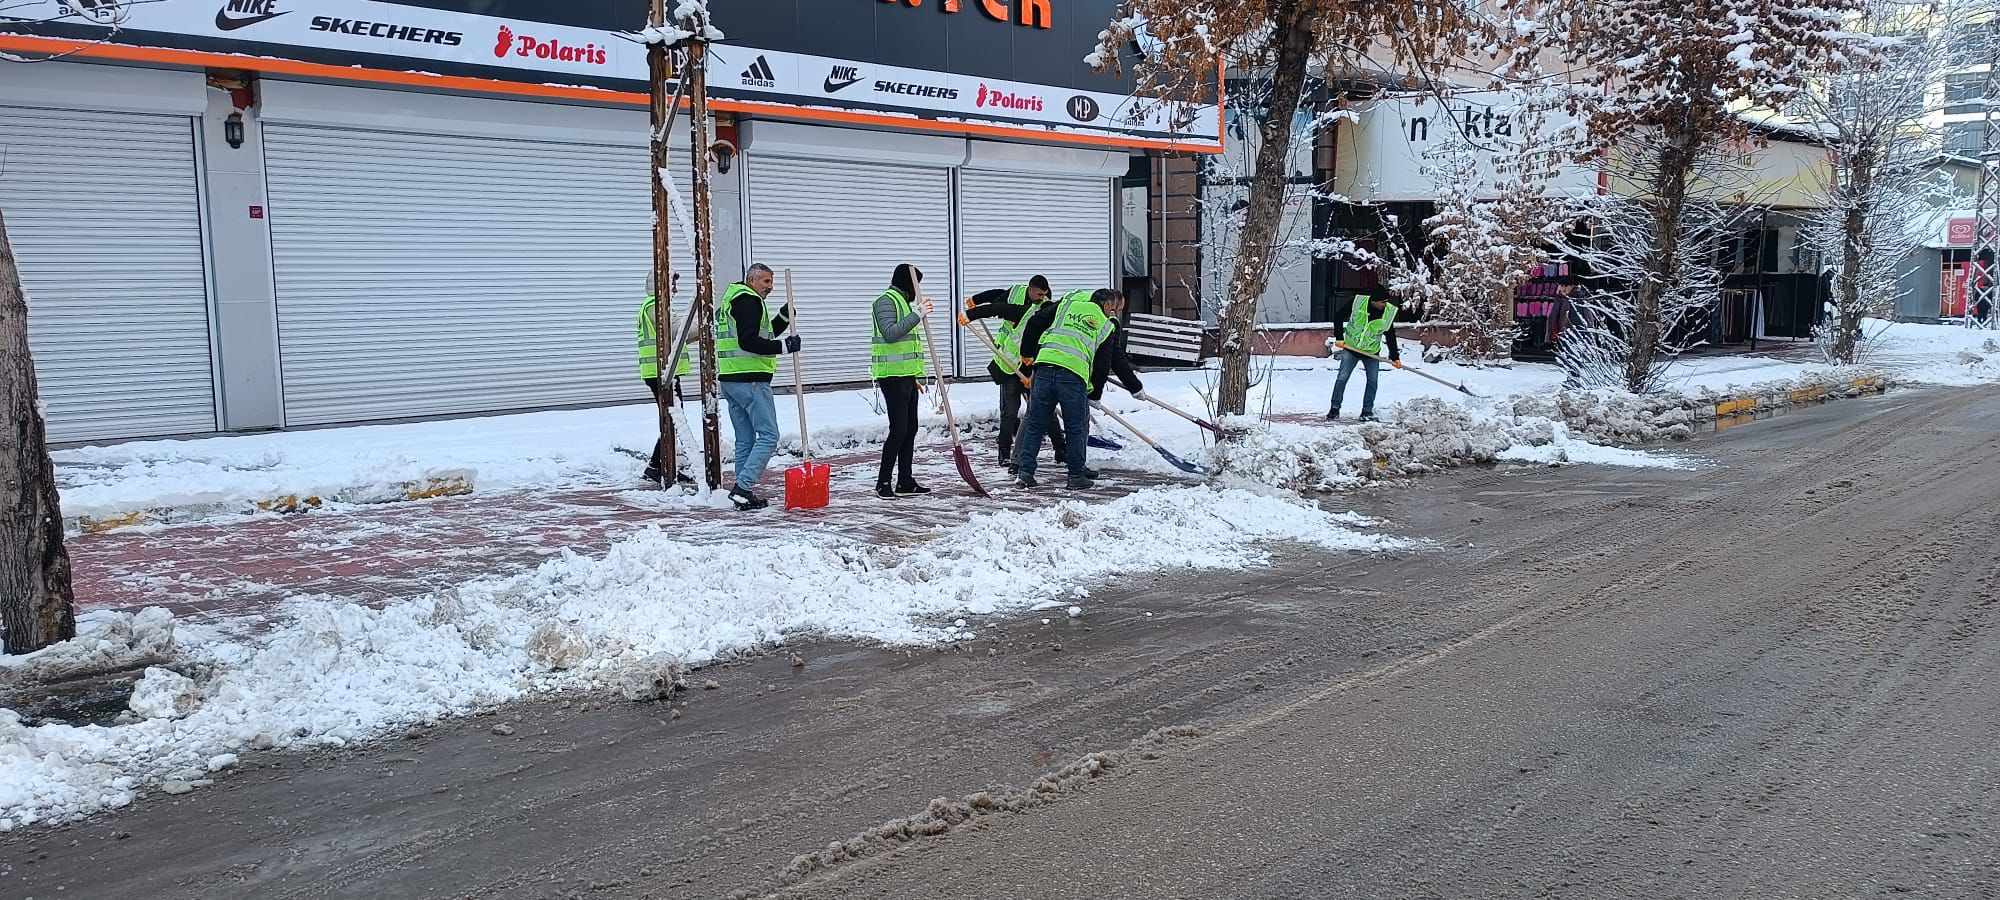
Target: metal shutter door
x,y
842,227
423,274
104,213
1015,225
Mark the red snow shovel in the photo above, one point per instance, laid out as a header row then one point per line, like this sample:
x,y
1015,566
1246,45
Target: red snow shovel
x,y
805,483
958,457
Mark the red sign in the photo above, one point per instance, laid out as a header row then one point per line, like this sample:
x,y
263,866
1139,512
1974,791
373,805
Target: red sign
x,y
1959,232
256,212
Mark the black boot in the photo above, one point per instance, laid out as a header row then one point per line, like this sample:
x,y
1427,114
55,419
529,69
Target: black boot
x,y
911,487
883,490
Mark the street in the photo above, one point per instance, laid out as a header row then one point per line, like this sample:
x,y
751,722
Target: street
x,y
1772,676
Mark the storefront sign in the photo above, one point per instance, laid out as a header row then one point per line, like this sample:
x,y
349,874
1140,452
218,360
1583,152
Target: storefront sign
x,y
1959,232
1007,63
1396,141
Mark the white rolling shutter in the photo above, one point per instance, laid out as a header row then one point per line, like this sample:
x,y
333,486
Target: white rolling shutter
x,y
426,274
104,213
842,227
1014,225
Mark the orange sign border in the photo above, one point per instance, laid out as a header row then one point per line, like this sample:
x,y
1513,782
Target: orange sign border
x,y
197,58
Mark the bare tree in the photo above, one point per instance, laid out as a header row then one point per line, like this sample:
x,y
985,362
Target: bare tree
x,y
1632,320
1675,76
37,603
1281,40
1491,231
1881,192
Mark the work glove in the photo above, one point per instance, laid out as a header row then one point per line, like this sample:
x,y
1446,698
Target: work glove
x,y
969,303
964,322
1140,395
1396,363
792,344
1027,364
1339,345
925,308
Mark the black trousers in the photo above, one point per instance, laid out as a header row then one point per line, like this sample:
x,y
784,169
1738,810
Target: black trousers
x,y
900,396
653,385
1014,396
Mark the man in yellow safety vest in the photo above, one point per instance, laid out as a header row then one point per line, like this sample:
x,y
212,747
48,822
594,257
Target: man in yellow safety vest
x,y
1012,306
1371,321
1072,348
649,366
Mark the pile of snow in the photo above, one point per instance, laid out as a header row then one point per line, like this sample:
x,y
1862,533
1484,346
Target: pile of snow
x,y
1429,435
329,673
1616,417
106,640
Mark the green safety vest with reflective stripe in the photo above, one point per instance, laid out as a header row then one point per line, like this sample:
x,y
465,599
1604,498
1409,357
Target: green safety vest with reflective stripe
x,y
1364,333
1007,347
1080,327
730,357
898,359
649,361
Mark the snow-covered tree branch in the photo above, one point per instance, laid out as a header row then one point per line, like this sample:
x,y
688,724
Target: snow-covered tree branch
x,y
1881,195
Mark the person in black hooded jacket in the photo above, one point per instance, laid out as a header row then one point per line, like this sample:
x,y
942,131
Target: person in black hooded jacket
x,y
1012,305
896,360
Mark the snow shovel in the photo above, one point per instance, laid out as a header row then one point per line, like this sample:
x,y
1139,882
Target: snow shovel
x,y
1102,443
986,337
958,456
1461,388
1171,459
805,483
1204,423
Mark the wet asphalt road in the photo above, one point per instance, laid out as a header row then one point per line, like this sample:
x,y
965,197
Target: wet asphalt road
x,y
1777,676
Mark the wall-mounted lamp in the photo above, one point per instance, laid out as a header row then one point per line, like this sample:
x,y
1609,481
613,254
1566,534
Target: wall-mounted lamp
x,y
723,153
232,130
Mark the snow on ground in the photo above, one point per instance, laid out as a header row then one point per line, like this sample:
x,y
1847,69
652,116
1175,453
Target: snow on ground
x,y
1933,354
330,673
583,447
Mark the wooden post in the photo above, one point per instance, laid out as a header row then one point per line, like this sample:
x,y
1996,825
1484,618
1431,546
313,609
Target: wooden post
x,y
659,67
704,255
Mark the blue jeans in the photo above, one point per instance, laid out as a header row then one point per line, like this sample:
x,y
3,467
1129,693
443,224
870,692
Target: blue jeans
x,y
754,415
1348,360
1055,387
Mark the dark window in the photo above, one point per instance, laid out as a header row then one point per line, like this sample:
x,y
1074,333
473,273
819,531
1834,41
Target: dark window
x,y
1964,138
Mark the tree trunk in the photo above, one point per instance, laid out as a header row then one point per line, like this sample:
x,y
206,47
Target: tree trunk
x,y
37,605
1679,146
1854,250
1267,203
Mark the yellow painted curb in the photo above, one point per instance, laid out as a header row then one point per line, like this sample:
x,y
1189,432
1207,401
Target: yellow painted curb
x,y
1809,394
1735,406
447,486
290,503
89,525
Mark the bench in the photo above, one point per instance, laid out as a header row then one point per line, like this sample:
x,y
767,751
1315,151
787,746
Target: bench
x,y
1173,341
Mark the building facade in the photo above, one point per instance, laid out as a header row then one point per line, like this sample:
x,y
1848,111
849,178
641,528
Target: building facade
x,y
236,215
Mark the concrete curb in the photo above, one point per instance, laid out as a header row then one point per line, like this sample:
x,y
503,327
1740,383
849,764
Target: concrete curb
x,y
443,484
1741,405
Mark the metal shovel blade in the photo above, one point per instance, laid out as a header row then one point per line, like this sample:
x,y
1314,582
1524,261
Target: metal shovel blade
x,y
964,464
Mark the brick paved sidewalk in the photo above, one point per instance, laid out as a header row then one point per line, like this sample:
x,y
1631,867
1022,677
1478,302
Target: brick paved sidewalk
x,y
378,554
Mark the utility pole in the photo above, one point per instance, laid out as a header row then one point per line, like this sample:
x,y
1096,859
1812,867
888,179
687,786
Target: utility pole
x,y
704,247
660,69
1986,208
